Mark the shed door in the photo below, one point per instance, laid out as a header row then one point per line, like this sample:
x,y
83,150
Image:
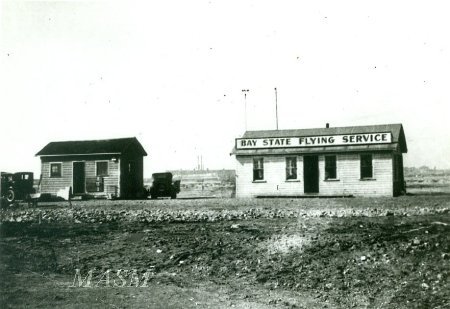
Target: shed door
x,y
129,174
311,174
79,179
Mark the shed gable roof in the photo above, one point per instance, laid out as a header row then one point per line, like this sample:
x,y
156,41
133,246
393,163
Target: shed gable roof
x,y
398,135
116,146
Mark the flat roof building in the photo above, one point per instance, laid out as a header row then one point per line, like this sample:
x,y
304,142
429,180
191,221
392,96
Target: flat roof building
x,y
330,161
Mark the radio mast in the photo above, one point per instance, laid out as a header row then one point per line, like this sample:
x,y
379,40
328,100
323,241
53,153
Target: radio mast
x,y
245,91
276,106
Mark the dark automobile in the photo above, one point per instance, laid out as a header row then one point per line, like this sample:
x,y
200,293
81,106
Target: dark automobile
x,y
164,186
17,186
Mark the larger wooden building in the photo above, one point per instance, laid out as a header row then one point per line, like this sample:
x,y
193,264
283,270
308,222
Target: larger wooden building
x,y
112,167
339,161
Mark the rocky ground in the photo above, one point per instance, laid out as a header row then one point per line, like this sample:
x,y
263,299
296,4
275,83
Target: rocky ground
x,y
271,253
211,210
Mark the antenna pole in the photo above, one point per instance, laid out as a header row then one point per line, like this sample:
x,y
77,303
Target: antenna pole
x,y
245,91
276,106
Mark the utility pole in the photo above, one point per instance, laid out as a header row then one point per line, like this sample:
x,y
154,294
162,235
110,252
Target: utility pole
x,y
245,91
276,106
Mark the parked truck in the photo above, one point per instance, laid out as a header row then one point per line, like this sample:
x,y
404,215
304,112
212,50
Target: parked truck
x,y
164,186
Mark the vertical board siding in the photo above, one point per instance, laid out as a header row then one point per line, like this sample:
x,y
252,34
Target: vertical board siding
x,y
347,171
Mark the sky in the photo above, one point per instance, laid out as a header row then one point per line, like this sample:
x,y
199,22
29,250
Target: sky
x,y
171,73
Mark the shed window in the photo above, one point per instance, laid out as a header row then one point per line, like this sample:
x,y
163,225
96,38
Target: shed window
x,y
102,168
258,169
366,166
55,169
330,167
291,168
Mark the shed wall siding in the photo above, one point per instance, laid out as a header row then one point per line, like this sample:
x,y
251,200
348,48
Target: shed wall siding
x,y
111,181
53,184
347,169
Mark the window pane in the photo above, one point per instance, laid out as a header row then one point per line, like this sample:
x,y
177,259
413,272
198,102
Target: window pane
x,y
258,169
330,167
291,168
366,166
55,170
102,168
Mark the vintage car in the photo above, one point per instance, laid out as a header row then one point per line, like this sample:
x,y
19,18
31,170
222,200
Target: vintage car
x,y
164,186
17,186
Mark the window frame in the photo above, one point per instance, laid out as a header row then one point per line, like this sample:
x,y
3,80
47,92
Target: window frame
x,y
60,174
260,169
327,167
291,168
107,168
364,168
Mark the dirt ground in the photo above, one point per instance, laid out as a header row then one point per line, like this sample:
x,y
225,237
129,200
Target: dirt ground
x,y
228,253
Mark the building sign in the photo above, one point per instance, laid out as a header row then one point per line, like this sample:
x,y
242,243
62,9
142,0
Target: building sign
x,y
314,141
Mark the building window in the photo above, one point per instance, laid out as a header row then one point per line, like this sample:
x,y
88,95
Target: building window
x,y
102,168
330,167
366,166
291,168
258,169
55,169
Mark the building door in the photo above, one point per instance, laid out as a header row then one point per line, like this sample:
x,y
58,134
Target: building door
x,y
132,176
79,179
128,175
311,174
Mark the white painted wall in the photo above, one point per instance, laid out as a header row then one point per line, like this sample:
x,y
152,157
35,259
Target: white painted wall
x,y
348,177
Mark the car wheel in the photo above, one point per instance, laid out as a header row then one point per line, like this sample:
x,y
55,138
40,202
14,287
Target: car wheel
x,y
10,196
173,196
153,197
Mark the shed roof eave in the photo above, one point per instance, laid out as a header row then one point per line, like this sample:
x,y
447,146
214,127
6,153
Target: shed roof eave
x,y
129,145
78,154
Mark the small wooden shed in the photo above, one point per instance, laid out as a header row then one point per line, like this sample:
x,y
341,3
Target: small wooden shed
x,y
111,167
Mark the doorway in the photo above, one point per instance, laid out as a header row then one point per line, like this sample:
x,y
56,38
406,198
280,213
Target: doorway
x,y
79,179
311,174
128,179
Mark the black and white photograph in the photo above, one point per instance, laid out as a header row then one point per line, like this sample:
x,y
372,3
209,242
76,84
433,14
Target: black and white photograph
x,y
224,154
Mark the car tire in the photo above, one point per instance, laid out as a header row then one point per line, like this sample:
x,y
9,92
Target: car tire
x,y
153,197
173,196
10,196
